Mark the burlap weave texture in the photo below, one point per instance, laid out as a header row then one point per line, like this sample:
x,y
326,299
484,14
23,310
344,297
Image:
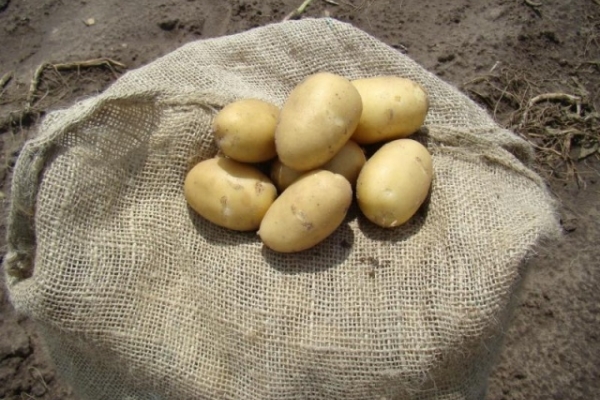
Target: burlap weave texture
x,y
139,298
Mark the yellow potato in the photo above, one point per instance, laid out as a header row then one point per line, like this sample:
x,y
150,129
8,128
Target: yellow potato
x,y
229,193
307,212
347,162
317,119
282,175
394,182
393,108
245,130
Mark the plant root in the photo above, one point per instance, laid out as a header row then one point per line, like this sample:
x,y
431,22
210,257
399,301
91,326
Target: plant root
x,y
30,113
576,100
96,62
563,128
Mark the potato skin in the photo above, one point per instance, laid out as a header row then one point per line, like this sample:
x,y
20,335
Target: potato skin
x,y
393,108
229,193
317,119
245,130
282,175
307,212
347,162
395,182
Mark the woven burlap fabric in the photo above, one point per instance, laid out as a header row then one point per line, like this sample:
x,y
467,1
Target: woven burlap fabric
x,y
139,298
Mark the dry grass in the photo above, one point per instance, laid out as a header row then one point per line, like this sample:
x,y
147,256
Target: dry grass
x,y
563,127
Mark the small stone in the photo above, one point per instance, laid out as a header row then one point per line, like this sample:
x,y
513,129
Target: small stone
x,y
90,21
168,25
10,27
569,224
551,36
446,57
494,13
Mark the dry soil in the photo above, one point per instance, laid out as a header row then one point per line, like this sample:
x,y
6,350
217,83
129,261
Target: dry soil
x,y
501,52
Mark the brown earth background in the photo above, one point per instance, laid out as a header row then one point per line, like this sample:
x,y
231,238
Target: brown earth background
x,y
502,53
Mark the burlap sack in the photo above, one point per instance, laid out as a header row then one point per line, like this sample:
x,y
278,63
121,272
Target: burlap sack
x,y
139,298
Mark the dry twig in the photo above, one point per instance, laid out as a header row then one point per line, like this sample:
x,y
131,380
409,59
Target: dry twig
x,y
533,4
348,4
298,11
39,377
595,63
505,94
5,79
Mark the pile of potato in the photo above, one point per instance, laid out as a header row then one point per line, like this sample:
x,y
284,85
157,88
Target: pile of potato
x,y
313,152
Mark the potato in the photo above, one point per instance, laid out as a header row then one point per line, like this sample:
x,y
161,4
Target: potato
x,y
282,175
245,130
229,193
307,212
347,162
394,182
316,120
393,108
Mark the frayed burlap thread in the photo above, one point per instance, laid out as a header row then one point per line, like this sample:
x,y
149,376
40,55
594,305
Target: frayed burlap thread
x,y
139,298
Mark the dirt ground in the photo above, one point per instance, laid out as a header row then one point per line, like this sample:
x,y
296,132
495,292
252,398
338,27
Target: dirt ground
x,y
503,53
